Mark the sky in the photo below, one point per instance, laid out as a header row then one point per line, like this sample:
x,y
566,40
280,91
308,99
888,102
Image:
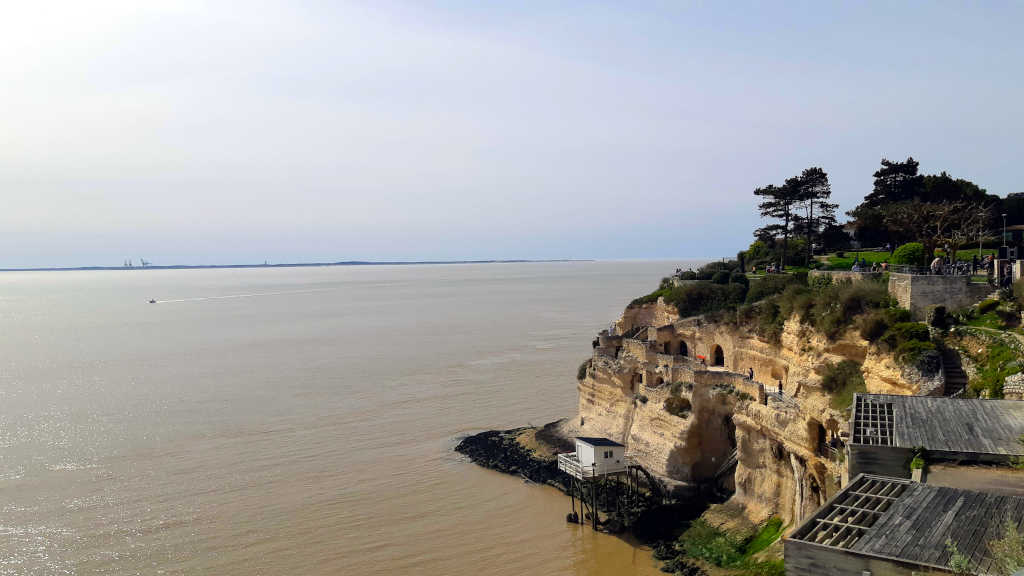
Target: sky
x,y
229,132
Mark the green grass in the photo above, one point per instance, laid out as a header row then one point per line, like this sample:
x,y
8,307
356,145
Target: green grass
x,y
987,320
843,398
995,362
768,533
705,542
967,254
833,262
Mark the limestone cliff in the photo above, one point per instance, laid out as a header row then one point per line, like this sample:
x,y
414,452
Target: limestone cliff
x,y
785,465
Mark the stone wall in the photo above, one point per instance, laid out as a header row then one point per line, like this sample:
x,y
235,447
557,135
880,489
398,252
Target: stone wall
x,y
839,275
917,293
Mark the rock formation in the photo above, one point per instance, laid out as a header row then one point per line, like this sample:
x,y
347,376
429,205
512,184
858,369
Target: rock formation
x,y
784,445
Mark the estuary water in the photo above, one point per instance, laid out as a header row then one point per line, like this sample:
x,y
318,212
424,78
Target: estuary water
x,y
294,420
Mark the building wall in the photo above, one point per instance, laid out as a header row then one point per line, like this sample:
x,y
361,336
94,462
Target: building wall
x,y
880,460
806,559
585,454
918,293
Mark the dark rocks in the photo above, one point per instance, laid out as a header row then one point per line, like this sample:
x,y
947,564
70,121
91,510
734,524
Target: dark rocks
x,y
499,450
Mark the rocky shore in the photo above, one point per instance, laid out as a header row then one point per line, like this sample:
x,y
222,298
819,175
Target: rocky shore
x,y
509,451
531,453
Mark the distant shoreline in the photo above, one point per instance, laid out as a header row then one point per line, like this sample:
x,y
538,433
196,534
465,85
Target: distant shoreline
x,y
287,265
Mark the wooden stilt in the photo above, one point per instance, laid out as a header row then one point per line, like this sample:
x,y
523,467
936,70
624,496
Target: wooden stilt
x,y
572,495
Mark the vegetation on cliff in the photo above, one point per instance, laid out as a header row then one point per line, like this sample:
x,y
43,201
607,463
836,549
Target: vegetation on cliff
x,y
705,545
581,372
715,286
842,381
830,307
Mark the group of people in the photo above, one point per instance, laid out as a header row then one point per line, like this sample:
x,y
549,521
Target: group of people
x,y
861,265
769,269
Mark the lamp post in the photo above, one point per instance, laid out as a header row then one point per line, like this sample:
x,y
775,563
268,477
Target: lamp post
x,y
981,220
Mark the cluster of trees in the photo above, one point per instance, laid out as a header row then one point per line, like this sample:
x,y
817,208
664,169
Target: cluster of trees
x,y
936,209
903,206
800,208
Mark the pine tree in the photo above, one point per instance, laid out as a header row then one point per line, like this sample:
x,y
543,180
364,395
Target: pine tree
x,y
895,182
815,190
780,203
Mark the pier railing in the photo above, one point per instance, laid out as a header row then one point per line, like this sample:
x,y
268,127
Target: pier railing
x,y
572,466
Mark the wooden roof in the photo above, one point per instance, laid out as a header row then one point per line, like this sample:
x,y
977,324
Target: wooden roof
x,y
905,521
940,423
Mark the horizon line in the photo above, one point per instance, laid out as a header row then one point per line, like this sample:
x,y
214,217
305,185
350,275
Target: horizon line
x,y
291,264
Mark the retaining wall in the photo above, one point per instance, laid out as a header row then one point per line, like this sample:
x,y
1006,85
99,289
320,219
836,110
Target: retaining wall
x,y
918,293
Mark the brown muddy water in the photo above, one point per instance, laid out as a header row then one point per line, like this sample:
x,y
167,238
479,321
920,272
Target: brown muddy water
x,y
294,421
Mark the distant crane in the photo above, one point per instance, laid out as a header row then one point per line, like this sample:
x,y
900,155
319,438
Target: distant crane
x,y
144,262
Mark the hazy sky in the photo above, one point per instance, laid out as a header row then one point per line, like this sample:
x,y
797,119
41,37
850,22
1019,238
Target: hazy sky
x,y
202,132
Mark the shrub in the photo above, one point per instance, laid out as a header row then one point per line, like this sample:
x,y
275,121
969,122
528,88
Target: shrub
x,y
1008,552
911,253
769,321
821,282
769,286
708,271
677,406
705,542
937,317
688,275
897,315
923,355
839,376
838,305
903,332
986,306
842,381
739,278
704,297
720,277
873,326
581,372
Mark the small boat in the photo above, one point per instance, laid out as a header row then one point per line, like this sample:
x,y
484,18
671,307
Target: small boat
x,y
152,301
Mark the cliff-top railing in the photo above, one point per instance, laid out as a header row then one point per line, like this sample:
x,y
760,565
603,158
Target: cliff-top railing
x,y
955,269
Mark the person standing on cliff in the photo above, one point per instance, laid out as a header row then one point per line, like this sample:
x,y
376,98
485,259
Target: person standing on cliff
x,y
780,388
750,373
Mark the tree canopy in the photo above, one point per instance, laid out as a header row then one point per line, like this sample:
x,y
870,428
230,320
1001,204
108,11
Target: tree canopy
x,y
799,207
905,206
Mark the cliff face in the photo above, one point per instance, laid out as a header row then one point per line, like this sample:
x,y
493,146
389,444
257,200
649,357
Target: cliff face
x,y
784,464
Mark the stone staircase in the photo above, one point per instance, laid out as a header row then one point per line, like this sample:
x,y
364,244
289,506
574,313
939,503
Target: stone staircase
x,y
956,378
